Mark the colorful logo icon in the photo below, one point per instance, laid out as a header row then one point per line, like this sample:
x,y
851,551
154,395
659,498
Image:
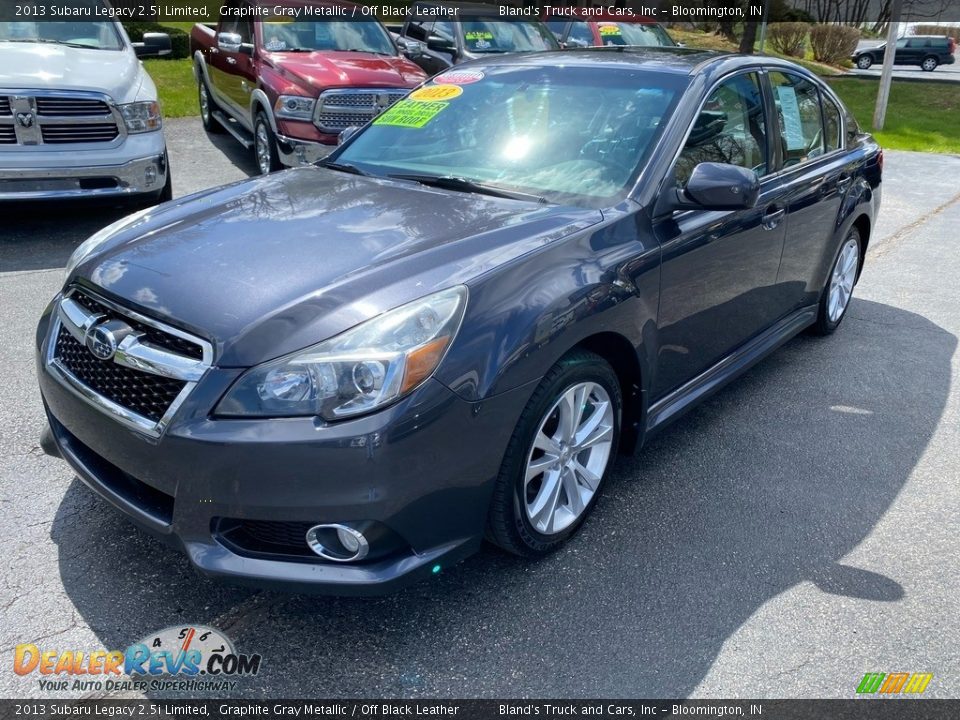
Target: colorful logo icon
x,y
894,683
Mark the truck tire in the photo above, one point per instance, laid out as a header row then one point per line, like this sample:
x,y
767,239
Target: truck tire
x,y
265,145
207,107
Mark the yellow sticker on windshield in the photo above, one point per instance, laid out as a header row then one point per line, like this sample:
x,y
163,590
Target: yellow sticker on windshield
x,y
610,30
410,113
478,35
437,92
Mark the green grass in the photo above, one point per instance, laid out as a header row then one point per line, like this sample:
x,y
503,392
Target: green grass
x,y
178,91
921,116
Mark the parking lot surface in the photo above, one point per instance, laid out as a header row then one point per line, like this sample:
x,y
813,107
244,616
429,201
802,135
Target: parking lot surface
x,y
795,531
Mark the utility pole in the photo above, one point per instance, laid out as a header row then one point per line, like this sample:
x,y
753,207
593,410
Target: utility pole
x,y
886,77
763,25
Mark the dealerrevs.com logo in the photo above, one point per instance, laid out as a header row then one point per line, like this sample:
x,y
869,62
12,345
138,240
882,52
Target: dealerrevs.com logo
x,y
193,658
894,683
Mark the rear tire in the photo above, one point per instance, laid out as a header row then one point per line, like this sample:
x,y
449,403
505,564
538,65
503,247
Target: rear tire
x,y
864,62
558,458
929,64
207,107
838,290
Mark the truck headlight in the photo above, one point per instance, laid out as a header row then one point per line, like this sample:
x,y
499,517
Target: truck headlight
x,y
360,370
141,117
294,107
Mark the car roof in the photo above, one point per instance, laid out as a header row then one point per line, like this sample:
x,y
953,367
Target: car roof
x,y
676,60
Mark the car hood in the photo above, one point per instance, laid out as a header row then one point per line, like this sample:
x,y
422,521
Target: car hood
x,y
59,67
347,69
271,265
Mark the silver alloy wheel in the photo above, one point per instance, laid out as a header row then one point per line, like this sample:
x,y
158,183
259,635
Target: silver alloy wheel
x,y
262,142
864,62
204,103
929,64
569,457
842,279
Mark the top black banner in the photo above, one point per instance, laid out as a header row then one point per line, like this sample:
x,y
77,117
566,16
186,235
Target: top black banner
x,y
869,13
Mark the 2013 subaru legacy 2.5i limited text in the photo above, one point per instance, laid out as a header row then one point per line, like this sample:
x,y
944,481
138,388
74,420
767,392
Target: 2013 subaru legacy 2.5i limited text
x,y
344,377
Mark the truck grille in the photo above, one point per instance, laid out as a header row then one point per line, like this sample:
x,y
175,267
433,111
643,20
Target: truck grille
x,y
340,109
76,107
28,119
147,395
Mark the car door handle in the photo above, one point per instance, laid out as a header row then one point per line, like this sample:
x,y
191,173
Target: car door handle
x,y
772,217
843,182
232,61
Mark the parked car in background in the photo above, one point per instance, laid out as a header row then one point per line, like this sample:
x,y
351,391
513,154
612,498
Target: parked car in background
x,y
79,115
927,51
573,32
476,32
446,330
287,89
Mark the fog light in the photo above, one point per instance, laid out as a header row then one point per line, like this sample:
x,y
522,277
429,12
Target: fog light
x,y
339,543
150,175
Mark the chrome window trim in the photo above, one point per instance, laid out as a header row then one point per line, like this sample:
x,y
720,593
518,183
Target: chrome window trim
x,y
31,94
67,315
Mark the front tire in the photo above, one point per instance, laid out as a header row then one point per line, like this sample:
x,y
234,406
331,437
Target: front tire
x,y
929,64
265,146
836,296
864,62
558,457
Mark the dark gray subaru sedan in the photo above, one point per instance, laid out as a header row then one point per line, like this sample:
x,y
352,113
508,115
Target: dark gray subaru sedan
x,y
345,377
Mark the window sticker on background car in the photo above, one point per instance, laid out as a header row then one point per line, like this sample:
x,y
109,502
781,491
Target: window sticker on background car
x,y
436,92
610,30
479,35
410,113
790,111
458,77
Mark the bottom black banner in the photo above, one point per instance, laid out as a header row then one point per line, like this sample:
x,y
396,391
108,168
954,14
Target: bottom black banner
x,y
867,709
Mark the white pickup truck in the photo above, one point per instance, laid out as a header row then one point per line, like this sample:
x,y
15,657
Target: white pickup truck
x,y
79,116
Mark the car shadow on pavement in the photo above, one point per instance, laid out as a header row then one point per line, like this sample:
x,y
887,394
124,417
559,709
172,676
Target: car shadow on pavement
x,y
769,484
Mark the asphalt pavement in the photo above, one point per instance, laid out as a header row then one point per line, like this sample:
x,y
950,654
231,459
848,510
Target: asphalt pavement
x,y
797,530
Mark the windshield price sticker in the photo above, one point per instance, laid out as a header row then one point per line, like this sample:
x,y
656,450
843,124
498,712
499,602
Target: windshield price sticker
x,y
436,93
610,30
410,113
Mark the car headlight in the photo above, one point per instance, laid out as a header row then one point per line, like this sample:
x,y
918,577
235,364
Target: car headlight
x,y
294,107
99,237
141,117
360,370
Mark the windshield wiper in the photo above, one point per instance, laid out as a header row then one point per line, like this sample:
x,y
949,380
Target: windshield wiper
x,y
451,182
48,41
343,167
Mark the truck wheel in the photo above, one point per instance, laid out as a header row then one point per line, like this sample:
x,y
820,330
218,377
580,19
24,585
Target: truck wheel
x,y
265,145
207,108
864,62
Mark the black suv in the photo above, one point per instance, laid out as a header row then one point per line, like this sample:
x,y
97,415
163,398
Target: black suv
x,y
927,51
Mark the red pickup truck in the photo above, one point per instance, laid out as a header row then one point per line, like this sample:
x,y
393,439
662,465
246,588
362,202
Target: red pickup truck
x,y
287,86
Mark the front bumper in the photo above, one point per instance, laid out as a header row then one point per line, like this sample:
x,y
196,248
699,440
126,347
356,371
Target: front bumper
x,y
405,468
50,173
294,152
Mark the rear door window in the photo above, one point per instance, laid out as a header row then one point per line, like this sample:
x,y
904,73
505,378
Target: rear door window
x,y
798,113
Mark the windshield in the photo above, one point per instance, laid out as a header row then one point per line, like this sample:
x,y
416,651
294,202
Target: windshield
x,y
95,35
321,35
624,33
571,135
488,35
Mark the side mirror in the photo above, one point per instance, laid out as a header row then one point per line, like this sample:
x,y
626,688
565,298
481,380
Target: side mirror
x,y
153,45
346,134
441,44
411,48
718,186
229,42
